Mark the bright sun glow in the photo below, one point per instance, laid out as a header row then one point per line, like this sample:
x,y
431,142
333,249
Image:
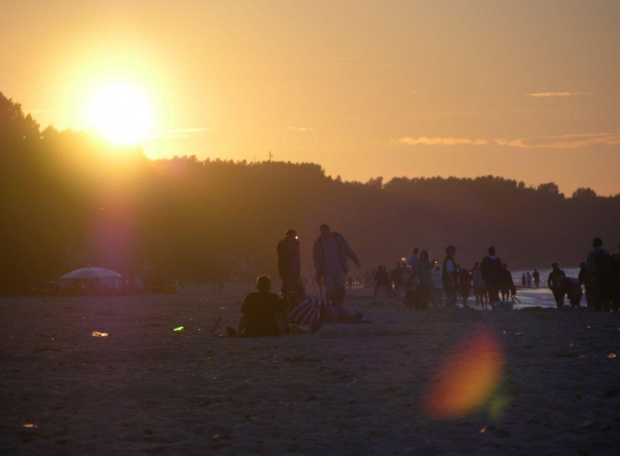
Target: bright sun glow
x,y
120,113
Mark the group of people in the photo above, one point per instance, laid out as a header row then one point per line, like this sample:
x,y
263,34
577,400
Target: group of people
x,y
419,281
526,279
266,314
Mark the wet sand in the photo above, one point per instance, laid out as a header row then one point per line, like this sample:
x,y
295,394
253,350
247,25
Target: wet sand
x,y
349,389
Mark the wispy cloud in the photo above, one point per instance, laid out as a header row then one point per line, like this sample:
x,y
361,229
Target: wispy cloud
x,y
568,141
571,141
177,132
300,129
423,140
557,94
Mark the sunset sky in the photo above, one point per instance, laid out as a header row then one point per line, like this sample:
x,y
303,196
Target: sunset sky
x,y
527,89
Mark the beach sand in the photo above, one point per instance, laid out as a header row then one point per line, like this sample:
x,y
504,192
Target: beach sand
x,y
542,381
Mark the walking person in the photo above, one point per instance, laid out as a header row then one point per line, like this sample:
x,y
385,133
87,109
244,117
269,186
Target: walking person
x,y
585,279
491,268
437,285
424,269
465,285
480,288
289,264
331,253
507,284
536,277
604,271
555,284
383,285
449,277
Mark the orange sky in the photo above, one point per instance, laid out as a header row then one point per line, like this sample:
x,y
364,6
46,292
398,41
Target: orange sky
x,y
522,89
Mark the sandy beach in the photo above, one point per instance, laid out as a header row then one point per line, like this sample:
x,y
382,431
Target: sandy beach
x,y
538,381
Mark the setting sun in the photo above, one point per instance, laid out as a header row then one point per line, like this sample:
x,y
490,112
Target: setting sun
x,y
120,113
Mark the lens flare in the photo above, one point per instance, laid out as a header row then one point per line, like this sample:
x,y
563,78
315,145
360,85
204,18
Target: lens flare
x,y
467,378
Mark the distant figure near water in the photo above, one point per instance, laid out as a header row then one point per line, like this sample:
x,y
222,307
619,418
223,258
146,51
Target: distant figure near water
x,y
536,277
330,255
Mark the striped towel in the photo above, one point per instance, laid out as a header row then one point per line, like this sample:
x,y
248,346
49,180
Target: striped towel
x,y
309,310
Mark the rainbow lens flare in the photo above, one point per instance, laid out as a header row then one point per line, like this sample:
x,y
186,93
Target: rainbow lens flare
x,y
467,378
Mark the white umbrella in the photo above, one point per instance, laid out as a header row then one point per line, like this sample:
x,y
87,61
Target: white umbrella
x,y
90,273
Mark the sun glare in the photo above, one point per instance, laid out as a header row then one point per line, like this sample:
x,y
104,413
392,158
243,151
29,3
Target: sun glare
x,y
120,113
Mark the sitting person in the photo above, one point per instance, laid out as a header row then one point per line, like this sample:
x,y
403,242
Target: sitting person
x,y
264,313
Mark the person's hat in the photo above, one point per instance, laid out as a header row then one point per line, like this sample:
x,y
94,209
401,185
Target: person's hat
x,y
450,248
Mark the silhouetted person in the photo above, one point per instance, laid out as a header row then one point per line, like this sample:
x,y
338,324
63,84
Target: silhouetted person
x,y
408,278
492,272
397,280
528,279
424,269
480,287
536,277
506,284
437,285
264,313
383,285
523,280
414,257
330,255
604,271
289,263
465,284
572,288
585,279
449,277
555,284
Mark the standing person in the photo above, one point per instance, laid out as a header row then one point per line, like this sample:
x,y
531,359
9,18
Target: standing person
x,y
414,257
591,267
572,288
383,284
480,288
604,270
289,263
397,280
449,277
465,280
585,279
528,279
330,255
523,280
424,268
507,284
409,280
555,284
491,268
437,285
536,277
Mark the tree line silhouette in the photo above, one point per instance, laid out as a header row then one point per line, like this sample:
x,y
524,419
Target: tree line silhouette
x,y
69,200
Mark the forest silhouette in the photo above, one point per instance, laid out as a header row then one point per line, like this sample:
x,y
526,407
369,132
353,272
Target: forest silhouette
x,y
70,200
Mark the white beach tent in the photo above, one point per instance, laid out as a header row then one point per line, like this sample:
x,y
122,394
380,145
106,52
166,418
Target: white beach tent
x,y
90,280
